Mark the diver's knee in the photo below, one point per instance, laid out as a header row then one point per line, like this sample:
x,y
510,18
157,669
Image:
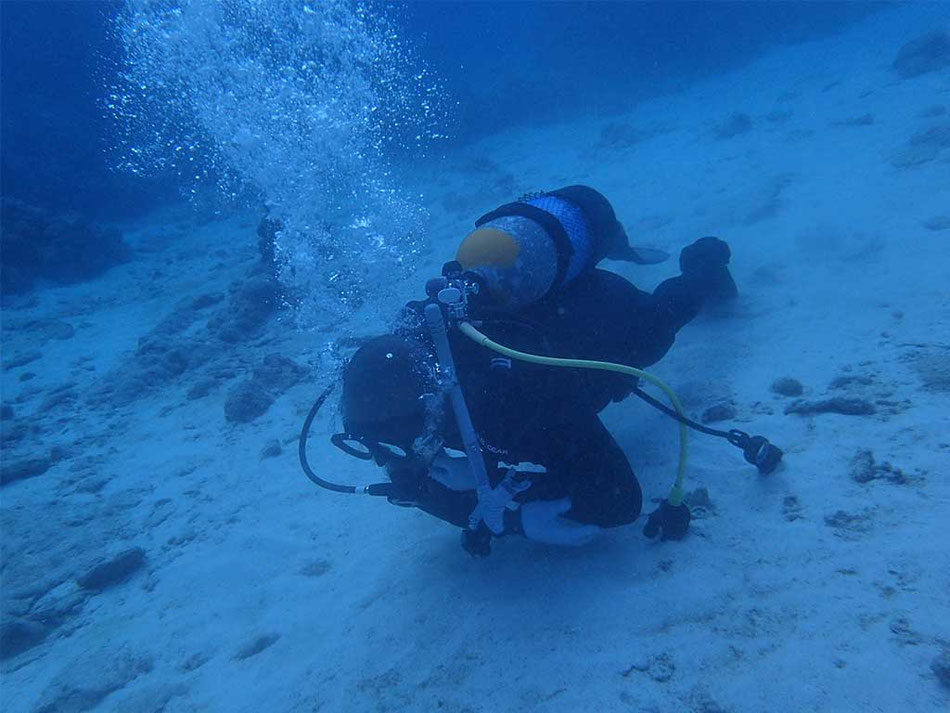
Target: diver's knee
x,y
625,505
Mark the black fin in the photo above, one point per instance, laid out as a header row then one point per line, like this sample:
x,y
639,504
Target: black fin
x,y
639,255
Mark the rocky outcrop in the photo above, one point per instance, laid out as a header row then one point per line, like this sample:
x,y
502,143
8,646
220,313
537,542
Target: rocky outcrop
x,y
251,398
113,570
926,54
36,246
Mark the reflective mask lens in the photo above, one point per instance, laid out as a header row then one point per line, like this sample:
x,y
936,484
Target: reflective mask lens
x,y
352,446
392,451
368,450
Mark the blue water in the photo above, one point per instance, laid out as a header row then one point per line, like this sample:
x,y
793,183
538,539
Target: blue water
x,y
499,63
208,205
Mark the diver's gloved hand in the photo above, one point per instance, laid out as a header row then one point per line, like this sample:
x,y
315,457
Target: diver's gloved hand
x,y
454,472
541,521
671,522
704,264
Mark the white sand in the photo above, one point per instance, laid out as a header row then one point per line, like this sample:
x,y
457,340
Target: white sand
x,y
764,607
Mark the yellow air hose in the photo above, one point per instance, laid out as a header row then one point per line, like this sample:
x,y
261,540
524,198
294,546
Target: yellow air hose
x,y
676,493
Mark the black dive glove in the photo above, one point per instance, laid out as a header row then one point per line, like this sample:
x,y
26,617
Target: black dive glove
x,y
671,522
704,264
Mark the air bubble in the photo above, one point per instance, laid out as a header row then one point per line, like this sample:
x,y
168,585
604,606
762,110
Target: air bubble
x,y
298,106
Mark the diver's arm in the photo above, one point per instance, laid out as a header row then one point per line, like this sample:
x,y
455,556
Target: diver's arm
x,y
675,302
417,489
705,276
450,505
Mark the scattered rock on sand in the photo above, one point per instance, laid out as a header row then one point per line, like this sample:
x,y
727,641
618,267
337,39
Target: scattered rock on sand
x,y
91,484
905,633
848,524
928,53
250,399
838,404
701,701
246,402
864,469
700,505
848,380
941,667
778,116
59,603
256,646
720,412
114,570
735,125
23,469
249,307
315,568
938,222
161,511
89,679
59,453
188,339
933,367
37,245
272,449
148,698
862,466
889,472
11,433
195,661
862,120
21,359
18,635
765,200
278,373
660,667
791,508
937,136
698,498
201,389
162,357
45,330
209,299
933,111
618,135
61,397
923,146
787,386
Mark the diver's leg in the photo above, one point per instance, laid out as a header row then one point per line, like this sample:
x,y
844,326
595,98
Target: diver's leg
x,y
606,491
600,315
586,465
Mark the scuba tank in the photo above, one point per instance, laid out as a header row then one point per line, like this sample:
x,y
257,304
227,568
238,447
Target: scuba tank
x,y
523,251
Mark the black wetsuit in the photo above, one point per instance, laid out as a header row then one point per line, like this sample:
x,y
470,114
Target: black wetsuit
x,y
549,415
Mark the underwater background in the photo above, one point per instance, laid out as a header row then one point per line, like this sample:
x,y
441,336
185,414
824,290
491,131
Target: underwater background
x,y
207,205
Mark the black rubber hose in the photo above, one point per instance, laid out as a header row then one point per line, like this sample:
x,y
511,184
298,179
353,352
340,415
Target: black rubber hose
x,y
682,419
755,449
302,449
378,489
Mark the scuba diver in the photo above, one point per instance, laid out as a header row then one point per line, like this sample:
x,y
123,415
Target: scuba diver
x,y
482,404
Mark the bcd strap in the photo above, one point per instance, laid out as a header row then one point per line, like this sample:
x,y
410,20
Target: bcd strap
x,y
609,237
552,226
